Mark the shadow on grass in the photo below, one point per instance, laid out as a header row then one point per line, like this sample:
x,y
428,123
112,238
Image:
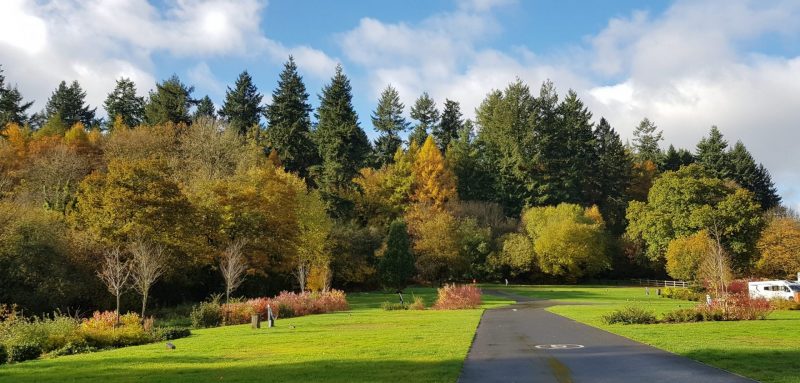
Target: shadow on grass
x,y
770,366
178,368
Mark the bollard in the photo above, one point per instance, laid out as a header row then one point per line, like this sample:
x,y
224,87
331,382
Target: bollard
x,y
255,321
270,318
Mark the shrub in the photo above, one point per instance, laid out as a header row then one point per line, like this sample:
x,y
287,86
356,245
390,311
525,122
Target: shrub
x,y
25,351
170,333
207,314
393,306
236,313
784,304
101,330
742,307
3,354
630,315
419,304
455,297
73,348
738,287
682,316
682,294
48,333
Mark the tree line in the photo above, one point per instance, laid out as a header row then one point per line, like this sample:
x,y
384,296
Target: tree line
x,y
531,189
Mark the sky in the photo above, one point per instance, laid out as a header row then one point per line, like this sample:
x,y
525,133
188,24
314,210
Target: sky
x,y
686,65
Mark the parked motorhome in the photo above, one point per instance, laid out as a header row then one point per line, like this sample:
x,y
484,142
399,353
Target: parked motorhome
x,y
774,289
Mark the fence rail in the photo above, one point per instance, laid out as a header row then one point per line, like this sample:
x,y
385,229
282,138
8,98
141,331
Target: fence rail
x,y
660,283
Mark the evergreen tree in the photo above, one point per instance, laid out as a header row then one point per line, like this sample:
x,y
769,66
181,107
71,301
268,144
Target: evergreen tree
x,y
242,107
548,142
205,108
289,123
170,102
342,144
388,120
473,170
712,154
753,177
124,102
67,102
12,109
645,142
613,176
578,157
673,159
396,266
425,112
450,126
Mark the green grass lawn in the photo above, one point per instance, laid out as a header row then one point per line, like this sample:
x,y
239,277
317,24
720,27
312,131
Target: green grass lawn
x,y
768,350
364,344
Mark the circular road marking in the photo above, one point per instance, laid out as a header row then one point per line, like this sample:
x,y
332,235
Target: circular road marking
x,y
558,346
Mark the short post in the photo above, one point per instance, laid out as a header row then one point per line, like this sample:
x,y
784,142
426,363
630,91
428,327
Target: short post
x,y
402,303
507,279
708,299
646,291
255,321
658,292
270,318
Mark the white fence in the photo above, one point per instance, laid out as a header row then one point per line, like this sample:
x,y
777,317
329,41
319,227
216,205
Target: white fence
x,y
660,283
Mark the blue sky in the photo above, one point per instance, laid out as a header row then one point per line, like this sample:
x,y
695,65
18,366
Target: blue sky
x,y
684,64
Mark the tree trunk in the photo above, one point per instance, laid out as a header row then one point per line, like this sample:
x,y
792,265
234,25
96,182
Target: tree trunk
x,y
117,308
144,304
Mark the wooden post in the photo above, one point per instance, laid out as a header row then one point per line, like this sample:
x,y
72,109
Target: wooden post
x,y
255,321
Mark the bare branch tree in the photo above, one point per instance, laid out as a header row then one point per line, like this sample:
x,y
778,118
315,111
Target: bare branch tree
x,y
115,274
233,265
301,273
147,266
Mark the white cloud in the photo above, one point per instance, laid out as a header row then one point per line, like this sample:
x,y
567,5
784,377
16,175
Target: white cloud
x,y
202,76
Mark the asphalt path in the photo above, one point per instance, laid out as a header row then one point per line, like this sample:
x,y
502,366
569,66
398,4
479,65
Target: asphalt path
x,y
525,343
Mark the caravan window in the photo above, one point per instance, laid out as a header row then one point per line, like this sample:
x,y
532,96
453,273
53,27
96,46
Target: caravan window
x,y
795,288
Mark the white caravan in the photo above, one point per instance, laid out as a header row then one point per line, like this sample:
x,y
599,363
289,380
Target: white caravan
x,y
773,289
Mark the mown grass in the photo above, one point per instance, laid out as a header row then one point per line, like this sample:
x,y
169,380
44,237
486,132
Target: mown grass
x,y
363,344
767,350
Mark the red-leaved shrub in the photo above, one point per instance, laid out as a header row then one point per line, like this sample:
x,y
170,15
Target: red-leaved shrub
x,y
456,297
738,287
285,305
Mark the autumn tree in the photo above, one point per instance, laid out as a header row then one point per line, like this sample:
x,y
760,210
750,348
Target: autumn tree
x,y
779,247
313,259
685,255
434,182
115,273
123,102
242,107
233,266
147,266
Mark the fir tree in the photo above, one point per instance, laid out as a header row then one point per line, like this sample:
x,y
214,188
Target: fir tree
x,y
67,103
613,176
242,107
342,144
388,120
752,176
205,109
451,125
289,123
12,109
645,142
712,154
425,112
473,170
578,158
124,102
170,102
396,266
673,159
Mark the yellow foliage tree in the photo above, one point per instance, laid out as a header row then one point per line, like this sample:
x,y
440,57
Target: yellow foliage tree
x,y
434,181
685,255
779,246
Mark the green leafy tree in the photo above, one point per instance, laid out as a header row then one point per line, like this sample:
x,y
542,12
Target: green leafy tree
x,y
205,108
646,137
170,102
712,154
289,124
396,266
752,176
67,103
451,125
343,146
388,120
425,112
123,102
242,107
12,108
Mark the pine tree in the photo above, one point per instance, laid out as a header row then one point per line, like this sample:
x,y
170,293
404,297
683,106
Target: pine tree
x,y
673,159
289,123
473,170
613,177
547,142
645,142
425,112
753,177
388,120
242,107
712,154
170,102
12,109
451,125
205,109
578,158
396,266
342,144
124,102
67,102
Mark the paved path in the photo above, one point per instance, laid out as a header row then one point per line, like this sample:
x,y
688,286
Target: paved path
x,y
504,350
